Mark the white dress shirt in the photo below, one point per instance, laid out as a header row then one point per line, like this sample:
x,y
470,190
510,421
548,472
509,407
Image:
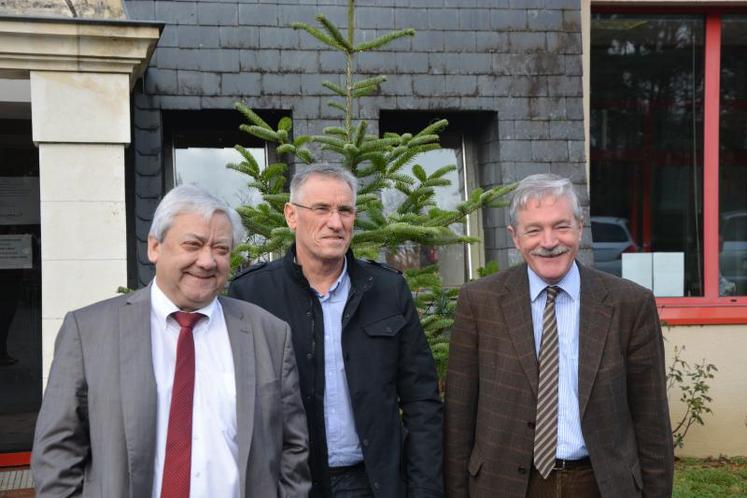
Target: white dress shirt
x,y
215,450
571,444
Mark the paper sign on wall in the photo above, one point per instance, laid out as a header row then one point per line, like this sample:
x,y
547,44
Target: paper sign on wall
x,y
15,251
669,274
638,267
19,200
662,272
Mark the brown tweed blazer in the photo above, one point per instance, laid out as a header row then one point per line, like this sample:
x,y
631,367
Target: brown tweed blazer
x,y
491,389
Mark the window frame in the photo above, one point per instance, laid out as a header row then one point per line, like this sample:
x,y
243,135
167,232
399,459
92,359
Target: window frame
x,y
711,308
463,134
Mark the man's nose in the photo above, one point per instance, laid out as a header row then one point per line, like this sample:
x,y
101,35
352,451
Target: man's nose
x,y
334,220
549,238
206,258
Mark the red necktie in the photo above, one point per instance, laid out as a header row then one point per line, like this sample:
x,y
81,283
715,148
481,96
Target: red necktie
x,y
177,466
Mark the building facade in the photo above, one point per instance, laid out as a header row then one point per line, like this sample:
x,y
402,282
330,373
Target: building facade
x,y
614,95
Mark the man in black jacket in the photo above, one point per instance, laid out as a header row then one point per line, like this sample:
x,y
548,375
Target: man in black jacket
x,y
368,379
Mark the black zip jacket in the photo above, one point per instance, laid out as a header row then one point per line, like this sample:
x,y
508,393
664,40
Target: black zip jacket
x,y
390,372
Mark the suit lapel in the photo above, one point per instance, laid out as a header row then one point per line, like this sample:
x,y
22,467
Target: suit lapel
x,y
138,390
244,362
595,319
514,301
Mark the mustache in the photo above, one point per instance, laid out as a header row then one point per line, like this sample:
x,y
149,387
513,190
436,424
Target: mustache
x,y
549,253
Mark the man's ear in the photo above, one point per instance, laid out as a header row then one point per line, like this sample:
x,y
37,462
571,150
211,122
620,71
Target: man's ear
x,y
514,235
154,249
290,215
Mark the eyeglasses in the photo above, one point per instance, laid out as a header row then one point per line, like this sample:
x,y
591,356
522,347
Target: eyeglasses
x,y
323,210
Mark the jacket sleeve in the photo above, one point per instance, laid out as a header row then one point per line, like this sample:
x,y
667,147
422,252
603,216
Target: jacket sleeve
x,y
61,441
422,411
647,393
295,477
462,383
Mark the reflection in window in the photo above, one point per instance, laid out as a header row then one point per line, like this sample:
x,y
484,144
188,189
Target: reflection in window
x,y
647,80
733,157
455,261
206,166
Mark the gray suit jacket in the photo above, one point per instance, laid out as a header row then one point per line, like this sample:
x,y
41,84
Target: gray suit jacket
x,y
95,434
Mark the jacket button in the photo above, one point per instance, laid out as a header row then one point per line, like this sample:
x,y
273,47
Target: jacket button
x,y
308,356
308,313
365,442
522,470
308,397
530,424
376,485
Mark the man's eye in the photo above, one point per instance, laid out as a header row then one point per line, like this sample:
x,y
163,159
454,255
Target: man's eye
x,y
321,210
346,210
532,231
222,250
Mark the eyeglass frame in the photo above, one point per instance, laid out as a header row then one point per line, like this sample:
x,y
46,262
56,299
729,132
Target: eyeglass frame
x,y
324,210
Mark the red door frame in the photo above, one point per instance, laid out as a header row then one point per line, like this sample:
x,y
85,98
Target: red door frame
x,y
710,308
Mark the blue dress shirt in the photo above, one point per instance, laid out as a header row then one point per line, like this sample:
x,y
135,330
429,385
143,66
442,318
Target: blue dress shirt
x,y
343,445
571,444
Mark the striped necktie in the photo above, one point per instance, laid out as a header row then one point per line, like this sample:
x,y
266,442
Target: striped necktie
x,y
546,424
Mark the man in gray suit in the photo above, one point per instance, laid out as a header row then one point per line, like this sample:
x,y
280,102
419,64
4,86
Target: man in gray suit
x,y
173,391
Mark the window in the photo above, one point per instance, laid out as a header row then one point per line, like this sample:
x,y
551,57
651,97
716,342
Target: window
x,y
668,164
457,263
206,166
732,185
20,286
203,144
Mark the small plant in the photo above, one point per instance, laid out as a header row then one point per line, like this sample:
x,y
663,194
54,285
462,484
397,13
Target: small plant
x,y
691,380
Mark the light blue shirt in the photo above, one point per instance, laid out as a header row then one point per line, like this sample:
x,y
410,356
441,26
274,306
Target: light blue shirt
x,y
343,445
571,444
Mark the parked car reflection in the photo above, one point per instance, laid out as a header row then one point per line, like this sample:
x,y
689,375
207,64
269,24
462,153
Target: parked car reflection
x,y
733,257
611,238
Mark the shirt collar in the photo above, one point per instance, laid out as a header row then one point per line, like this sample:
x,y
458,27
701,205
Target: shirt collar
x,y
163,307
337,283
570,283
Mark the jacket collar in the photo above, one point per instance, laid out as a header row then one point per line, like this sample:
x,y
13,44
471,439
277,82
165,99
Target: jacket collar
x,y
360,278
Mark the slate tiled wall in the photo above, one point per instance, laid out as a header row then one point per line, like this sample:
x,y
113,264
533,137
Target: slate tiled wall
x,y
520,59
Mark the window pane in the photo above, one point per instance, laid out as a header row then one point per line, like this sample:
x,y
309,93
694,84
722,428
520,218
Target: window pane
x,y
206,167
20,287
733,157
451,259
646,149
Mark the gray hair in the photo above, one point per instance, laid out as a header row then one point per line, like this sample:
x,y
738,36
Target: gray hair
x,y
326,170
537,187
191,199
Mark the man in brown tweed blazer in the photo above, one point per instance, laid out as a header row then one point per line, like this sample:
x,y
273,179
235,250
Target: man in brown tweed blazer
x,y
612,435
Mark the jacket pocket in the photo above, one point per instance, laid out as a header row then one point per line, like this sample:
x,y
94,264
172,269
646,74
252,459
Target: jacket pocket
x,y
388,327
403,454
637,478
475,462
